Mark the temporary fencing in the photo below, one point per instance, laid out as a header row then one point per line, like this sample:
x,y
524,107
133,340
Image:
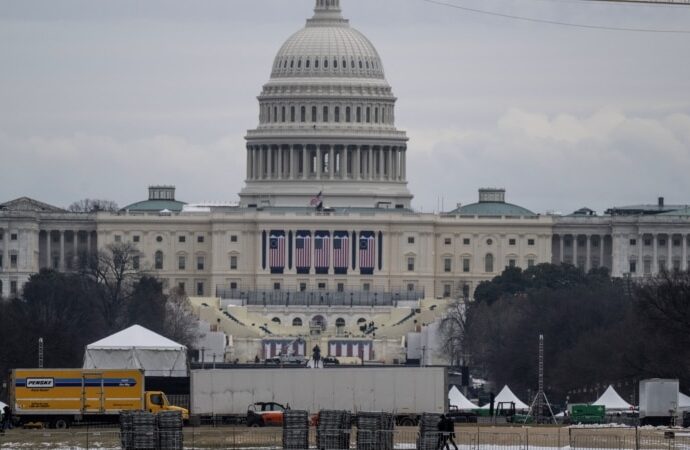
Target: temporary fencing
x,y
346,438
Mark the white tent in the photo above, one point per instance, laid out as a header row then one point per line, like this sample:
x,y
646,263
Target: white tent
x,y
455,398
612,401
138,348
683,401
507,396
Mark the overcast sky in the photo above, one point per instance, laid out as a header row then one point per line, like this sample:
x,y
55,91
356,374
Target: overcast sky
x,y
101,99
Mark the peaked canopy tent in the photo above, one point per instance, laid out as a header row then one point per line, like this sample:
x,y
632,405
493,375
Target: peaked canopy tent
x,y
507,396
455,398
138,348
683,401
612,401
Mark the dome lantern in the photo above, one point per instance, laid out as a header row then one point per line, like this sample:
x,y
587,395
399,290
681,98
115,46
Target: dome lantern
x,y
326,11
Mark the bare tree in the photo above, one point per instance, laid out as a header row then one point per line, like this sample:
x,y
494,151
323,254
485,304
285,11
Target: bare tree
x,y
89,205
115,269
181,325
453,330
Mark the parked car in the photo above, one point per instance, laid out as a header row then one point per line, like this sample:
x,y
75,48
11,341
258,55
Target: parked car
x,y
265,414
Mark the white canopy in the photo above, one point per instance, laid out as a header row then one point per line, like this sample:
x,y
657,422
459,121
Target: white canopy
x,y
507,396
683,401
612,401
455,398
138,348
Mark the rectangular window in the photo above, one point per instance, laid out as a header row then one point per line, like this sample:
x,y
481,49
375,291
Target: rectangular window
x,y
466,241
13,287
233,262
676,264
136,238
341,287
662,265
410,240
181,285
181,239
321,286
200,239
325,114
662,242
633,242
200,288
633,267
511,241
530,263
466,265
13,237
446,290
337,114
530,242
13,262
366,287
410,287
182,263
135,262
647,267
0,261
2,235
676,242
302,287
447,241
447,264
199,263
410,264
118,238
276,286
233,285
647,242
233,238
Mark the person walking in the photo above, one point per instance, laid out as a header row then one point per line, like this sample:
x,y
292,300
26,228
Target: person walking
x,y
6,418
442,439
449,431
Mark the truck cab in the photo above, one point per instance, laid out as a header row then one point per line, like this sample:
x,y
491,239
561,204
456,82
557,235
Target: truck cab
x,y
156,401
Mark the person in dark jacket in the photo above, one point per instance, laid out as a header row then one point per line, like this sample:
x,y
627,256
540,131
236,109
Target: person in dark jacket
x,y
6,418
446,429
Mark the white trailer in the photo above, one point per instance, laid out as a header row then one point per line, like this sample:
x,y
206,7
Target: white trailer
x,y
225,394
658,401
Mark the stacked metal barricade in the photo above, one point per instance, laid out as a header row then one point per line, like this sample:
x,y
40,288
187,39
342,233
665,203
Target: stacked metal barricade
x,y
295,429
333,430
144,431
428,432
170,436
375,431
126,430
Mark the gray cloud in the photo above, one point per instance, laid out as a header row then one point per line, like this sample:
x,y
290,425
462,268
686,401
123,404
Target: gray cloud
x,y
103,99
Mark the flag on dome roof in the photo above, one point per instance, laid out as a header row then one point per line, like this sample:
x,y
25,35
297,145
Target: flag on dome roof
x,y
317,200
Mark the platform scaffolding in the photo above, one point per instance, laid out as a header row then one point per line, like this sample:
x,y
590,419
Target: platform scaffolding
x,y
536,410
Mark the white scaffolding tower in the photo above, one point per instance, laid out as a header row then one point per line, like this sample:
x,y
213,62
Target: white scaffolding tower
x,y
536,410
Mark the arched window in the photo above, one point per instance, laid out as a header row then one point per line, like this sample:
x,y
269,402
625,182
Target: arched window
x,y
275,113
361,320
303,114
489,263
383,115
276,320
325,63
325,113
292,63
292,114
313,113
158,259
336,113
299,64
339,322
368,114
367,64
296,322
344,63
359,114
316,63
308,62
347,114
352,64
283,114
319,321
335,63
360,63
376,115
285,64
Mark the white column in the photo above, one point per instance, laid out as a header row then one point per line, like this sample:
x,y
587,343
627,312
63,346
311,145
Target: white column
x,y
88,243
684,243
601,250
640,251
331,162
75,250
319,162
669,257
370,163
403,159
49,250
575,250
655,255
380,174
293,160
269,155
588,253
396,165
61,264
305,165
357,164
260,150
6,251
249,163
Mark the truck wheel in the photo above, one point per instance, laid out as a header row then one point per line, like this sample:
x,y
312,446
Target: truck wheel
x,y
61,424
407,422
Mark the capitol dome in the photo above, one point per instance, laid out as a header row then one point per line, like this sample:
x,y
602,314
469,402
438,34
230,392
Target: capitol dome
x,y
326,123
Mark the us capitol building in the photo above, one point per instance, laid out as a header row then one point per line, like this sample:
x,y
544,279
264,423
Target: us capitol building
x,y
323,245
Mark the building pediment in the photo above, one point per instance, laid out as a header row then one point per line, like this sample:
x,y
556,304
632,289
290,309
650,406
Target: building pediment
x,y
28,204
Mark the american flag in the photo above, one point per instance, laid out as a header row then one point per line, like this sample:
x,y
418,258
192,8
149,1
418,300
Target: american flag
x,y
276,254
341,252
303,250
322,253
367,251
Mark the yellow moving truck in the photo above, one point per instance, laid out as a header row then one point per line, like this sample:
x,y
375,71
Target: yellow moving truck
x,y
59,397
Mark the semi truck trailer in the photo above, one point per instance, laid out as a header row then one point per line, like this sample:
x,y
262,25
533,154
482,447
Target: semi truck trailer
x,y
224,395
658,401
61,397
